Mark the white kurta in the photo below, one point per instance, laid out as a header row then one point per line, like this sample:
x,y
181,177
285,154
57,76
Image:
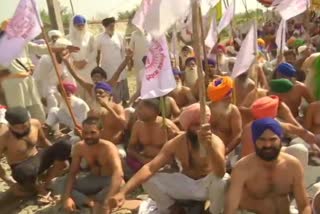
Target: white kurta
x,y
87,52
47,80
61,115
112,53
139,44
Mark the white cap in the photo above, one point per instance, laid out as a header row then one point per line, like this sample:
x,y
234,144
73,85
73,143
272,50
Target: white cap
x,y
62,43
302,48
57,33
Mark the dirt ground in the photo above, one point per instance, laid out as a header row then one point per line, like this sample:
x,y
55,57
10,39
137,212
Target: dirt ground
x,y
13,205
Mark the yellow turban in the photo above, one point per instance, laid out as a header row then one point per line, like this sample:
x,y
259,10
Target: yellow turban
x,y
220,88
4,24
261,42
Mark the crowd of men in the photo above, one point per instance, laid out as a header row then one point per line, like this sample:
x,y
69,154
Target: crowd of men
x,y
261,134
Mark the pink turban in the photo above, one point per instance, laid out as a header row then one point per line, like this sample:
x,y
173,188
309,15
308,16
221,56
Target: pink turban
x,y
70,87
191,116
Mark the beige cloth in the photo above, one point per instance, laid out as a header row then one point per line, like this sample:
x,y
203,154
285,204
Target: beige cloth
x,y
166,188
23,92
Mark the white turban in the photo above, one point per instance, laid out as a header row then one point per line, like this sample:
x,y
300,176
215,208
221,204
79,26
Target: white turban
x,y
62,43
52,33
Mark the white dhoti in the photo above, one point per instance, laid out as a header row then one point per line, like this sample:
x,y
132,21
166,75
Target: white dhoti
x,y
165,189
23,92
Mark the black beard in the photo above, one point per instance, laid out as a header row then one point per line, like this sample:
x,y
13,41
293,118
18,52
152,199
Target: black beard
x,y
20,135
268,154
91,142
193,138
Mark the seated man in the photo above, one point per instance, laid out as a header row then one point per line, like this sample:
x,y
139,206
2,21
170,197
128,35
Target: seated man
x,y
210,74
299,91
226,118
201,177
112,114
19,145
272,177
148,134
312,118
181,94
105,176
61,115
270,106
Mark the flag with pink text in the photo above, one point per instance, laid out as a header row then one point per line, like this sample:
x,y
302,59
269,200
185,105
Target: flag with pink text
x,y
22,28
158,79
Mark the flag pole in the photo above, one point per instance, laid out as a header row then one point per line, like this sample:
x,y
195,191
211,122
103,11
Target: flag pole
x,y
55,65
205,58
197,49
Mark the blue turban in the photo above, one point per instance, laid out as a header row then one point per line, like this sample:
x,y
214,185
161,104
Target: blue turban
x,y
287,70
104,86
79,20
261,125
176,72
211,62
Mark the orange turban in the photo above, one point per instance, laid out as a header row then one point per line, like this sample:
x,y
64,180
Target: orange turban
x,y
191,116
220,88
265,107
291,41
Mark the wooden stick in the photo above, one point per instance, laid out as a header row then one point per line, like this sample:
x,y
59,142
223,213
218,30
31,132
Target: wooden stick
x,y
56,67
197,50
205,58
163,108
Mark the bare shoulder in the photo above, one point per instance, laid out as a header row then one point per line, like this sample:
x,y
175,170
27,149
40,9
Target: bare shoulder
x,y
117,107
289,160
216,141
170,124
246,162
186,89
235,109
109,146
36,123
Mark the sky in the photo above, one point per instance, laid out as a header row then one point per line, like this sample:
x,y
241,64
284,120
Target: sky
x,y
93,8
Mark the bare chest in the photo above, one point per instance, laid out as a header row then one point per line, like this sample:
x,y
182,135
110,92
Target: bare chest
x,y
152,135
265,184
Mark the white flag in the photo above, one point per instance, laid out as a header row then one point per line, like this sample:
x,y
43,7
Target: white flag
x,y
246,54
227,17
157,16
291,8
22,28
281,36
206,5
158,79
212,36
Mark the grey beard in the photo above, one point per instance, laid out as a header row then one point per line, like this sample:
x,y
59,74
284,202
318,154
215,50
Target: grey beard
x,y
97,108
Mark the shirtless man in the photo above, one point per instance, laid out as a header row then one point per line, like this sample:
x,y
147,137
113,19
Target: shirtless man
x,y
148,134
270,106
243,85
105,176
181,94
112,114
226,118
210,74
293,98
273,176
312,118
202,176
19,145
97,74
